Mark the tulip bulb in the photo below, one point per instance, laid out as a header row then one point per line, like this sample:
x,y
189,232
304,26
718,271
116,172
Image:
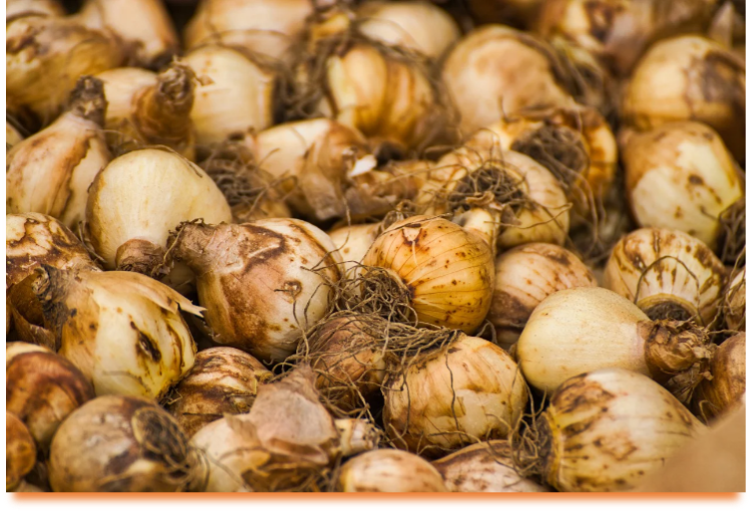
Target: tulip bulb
x,y
255,280
42,389
668,274
121,444
145,108
734,301
51,171
448,283
584,329
144,27
689,78
139,198
485,467
45,57
469,390
389,471
524,277
222,381
496,71
268,28
236,94
122,330
680,176
726,389
623,425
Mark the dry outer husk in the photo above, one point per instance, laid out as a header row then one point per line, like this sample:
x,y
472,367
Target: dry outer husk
x,y
725,390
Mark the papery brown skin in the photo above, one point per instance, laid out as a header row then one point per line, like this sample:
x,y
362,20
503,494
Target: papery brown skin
x,y
286,438
725,390
449,272
151,109
618,31
451,397
734,301
121,444
33,239
20,451
253,281
45,56
389,471
347,365
524,277
689,78
487,467
144,27
42,389
222,381
622,426
50,172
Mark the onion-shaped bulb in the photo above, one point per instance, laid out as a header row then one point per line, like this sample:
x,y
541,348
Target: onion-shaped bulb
x,y
623,425
122,444
469,390
139,198
584,329
689,78
51,171
237,94
734,301
122,330
14,8
725,390
222,381
448,272
524,277
668,274
20,451
42,389
42,80
389,471
143,26
496,71
262,283
145,108
680,176
268,28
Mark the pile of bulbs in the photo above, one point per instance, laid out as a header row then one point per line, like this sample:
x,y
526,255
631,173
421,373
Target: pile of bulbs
x,y
318,245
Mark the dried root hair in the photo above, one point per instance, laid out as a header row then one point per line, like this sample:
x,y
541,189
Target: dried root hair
x,y
732,239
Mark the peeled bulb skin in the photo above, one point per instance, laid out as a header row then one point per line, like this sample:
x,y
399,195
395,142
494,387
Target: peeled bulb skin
x,y
42,80
139,198
418,26
120,444
584,329
42,389
122,330
496,70
144,26
20,452
448,271
238,97
524,277
623,425
472,389
680,176
486,467
253,281
222,381
51,171
269,28
689,78
668,274
389,471
727,387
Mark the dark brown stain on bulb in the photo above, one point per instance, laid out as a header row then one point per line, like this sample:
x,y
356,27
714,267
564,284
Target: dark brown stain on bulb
x,y
145,345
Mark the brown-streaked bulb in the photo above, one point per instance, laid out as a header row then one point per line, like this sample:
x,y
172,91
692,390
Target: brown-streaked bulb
x,y
389,471
20,452
726,388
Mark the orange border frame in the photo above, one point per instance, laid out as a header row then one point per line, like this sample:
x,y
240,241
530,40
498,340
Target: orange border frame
x,y
417,501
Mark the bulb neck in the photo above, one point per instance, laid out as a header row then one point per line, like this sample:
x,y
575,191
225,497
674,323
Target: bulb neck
x,y
141,256
162,111
88,100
